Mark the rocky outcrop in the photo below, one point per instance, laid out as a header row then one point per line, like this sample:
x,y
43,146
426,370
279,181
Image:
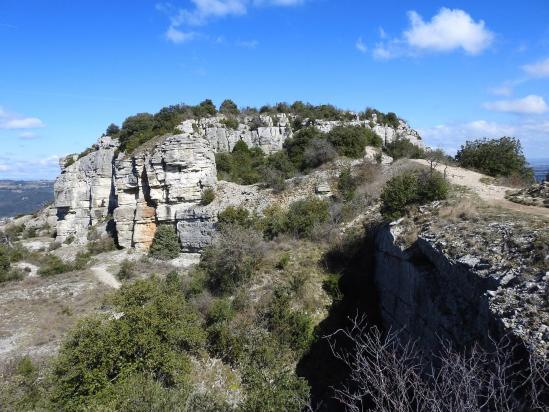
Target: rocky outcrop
x,y
162,181
536,195
439,287
255,132
161,185
84,192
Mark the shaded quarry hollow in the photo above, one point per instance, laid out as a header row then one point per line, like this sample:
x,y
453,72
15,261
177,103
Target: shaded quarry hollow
x,y
415,290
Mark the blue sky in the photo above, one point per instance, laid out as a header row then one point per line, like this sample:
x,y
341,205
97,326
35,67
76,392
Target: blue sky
x,y
454,70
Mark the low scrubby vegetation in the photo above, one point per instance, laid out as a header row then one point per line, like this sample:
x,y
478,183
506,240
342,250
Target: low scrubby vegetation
x,y
496,158
412,188
142,127
307,149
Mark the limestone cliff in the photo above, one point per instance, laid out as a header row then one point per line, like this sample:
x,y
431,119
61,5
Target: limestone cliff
x,y
162,181
443,287
84,192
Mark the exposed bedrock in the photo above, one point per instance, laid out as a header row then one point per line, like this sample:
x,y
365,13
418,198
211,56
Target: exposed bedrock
x,y
84,192
155,186
432,297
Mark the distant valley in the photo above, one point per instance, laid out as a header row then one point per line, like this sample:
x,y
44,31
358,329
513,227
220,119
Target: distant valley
x,y
23,197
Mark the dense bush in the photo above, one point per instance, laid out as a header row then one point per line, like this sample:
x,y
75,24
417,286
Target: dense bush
x,y
295,146
127,270
206,108
153,337
400,148
228,108
347,184
304,215
235,215
7,273
495,157
232,258
230,122
411,188
207,196
243,165
165,245
318,152
52,265
351,141
292,328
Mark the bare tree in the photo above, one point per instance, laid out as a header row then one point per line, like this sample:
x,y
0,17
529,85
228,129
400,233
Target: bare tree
x,y
389,373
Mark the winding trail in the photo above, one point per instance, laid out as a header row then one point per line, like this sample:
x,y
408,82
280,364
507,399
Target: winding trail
x,y
492,194
104,276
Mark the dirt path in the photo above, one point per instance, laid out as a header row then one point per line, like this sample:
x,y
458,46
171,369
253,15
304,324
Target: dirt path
x,y
104,276
492,194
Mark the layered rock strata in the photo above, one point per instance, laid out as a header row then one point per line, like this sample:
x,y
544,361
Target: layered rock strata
x,y
84,192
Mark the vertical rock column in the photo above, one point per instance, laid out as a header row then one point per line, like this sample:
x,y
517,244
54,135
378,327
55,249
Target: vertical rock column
x,y
155,186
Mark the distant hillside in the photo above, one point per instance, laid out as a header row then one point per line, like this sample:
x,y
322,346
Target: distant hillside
x,y
23,197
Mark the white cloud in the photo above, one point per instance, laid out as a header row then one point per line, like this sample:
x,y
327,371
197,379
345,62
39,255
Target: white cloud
x,y
14,121
28,135
360,46
531,104
4,168
203,11
25,168
177,36
539,69
449,30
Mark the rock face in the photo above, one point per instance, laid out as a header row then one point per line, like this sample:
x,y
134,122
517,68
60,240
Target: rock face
x,y
442,288
84,192
163,180
161,185
536,195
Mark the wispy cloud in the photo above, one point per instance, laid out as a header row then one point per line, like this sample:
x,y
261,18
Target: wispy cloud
x,y
28,135
17,168
248,44
538,69
531,104
448,30
10,121
360,46
202,12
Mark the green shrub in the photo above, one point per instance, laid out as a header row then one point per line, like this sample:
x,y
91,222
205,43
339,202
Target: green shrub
x,y
274,222
4,259
400,148
52,265
229,108
347,184
207,196
232,258
235,215
331,286
242,165
153,337
206,108
101,245
411,188
351,141
292,328
495,157
126,271
230,122
221,310
165,245
295,146
112,130
317,152
305,214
